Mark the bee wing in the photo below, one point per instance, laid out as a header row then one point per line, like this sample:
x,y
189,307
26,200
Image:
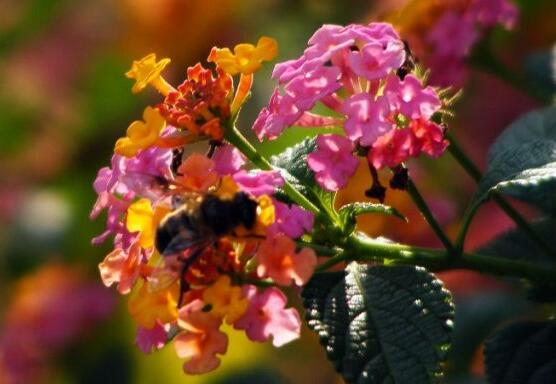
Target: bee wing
x,y
184,240
161,278
171,268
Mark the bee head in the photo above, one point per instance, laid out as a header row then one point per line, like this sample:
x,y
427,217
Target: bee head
x,y
245,209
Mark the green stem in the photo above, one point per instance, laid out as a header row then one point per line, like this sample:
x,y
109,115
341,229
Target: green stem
x,y
467,164
368,249
340,258
320,249
464,227
234,137
427,214
459,155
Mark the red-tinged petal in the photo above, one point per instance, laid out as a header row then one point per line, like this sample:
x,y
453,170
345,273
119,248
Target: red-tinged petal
x,y
151,339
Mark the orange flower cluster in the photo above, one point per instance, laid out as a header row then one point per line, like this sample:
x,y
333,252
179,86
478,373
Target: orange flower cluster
x,y
201,103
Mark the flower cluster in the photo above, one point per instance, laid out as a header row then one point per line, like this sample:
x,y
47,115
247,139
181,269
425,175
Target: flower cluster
x,y
199,239
443,33
363,75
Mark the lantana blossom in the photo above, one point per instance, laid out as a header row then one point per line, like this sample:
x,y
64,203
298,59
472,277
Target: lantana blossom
x,y
225,300
268,318
292,221
410,98
258,183
367,118
157,176
333,161
279,260
363,74
201,339
121,267
141,134
246,58
228,160
149,339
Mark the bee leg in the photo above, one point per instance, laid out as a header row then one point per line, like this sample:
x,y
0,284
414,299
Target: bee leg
x,y
213,144
184,285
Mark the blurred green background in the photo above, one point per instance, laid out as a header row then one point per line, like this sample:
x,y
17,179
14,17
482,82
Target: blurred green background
x,y
64,101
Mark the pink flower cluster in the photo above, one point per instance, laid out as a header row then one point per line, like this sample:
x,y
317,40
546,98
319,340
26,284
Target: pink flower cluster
x,y
457,30
354,71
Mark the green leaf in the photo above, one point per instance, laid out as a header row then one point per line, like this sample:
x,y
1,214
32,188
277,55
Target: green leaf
x,y
294,160
349,212
293,166
381,324
522,161
523,352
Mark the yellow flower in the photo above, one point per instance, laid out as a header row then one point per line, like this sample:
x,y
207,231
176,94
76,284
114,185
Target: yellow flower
x,y
142,218
146,306
265,212
147,71
141,135
246,58
227,188
226,300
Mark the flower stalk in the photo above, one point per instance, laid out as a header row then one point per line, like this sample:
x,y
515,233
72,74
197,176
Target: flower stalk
x,y
364,249
234,137
428,215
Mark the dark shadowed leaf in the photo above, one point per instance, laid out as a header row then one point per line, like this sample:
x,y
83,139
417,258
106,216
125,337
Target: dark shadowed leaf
x,y
381,324
540,67
517,245
524,352
522,161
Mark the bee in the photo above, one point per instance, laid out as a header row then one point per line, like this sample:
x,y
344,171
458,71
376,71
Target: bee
x,y
202,221
198,223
